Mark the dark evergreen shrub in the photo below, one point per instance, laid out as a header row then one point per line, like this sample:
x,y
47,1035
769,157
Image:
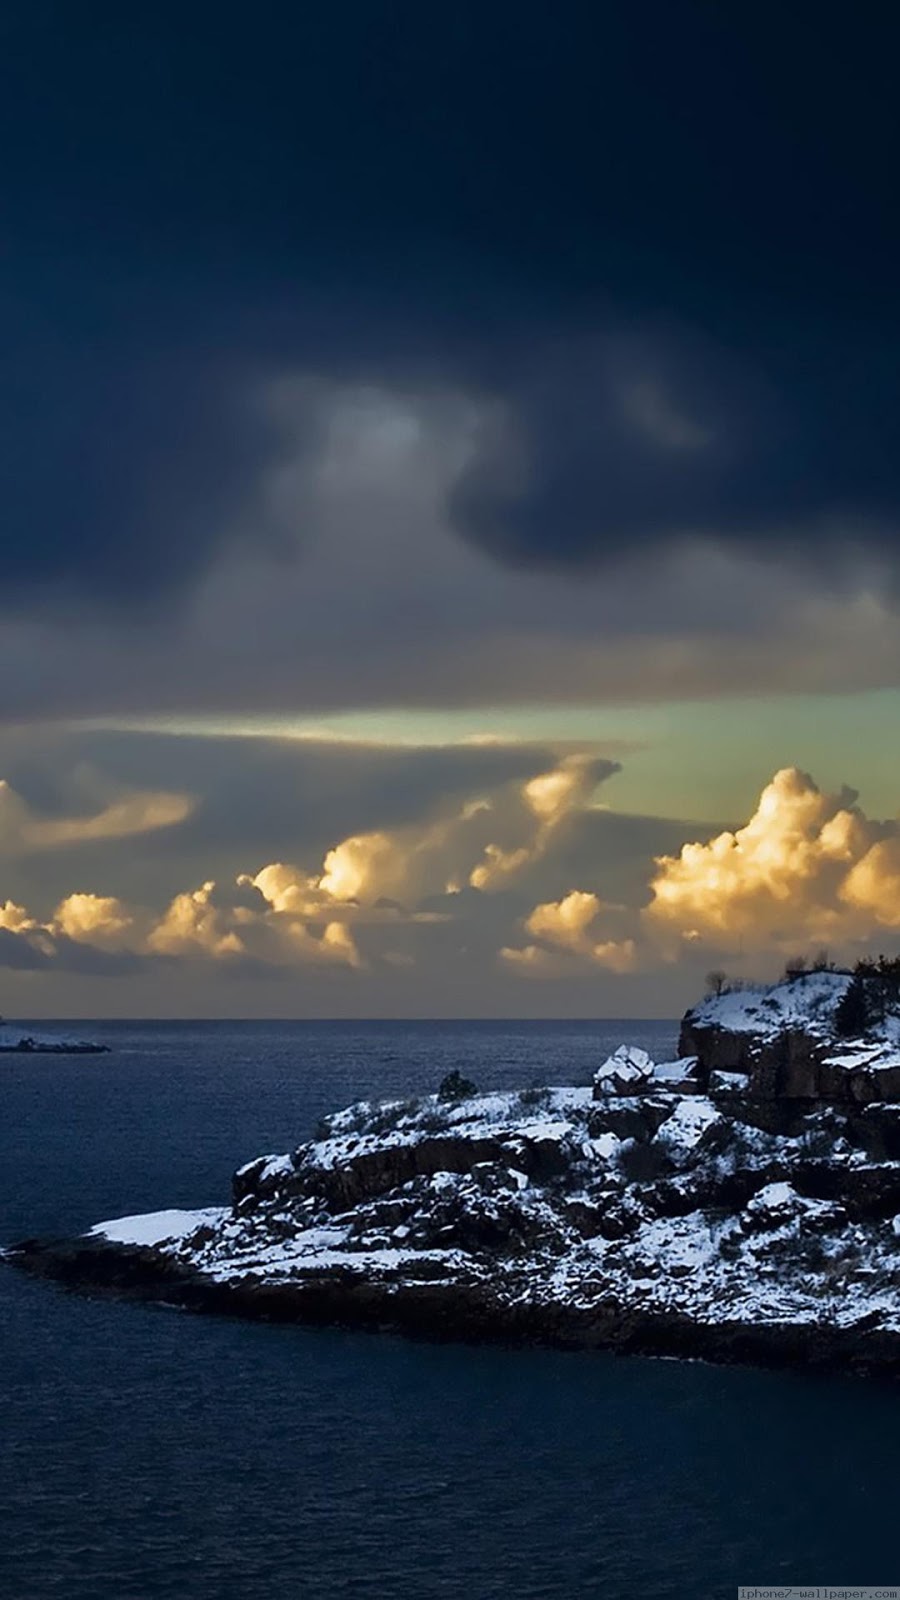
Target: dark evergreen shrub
x,y
852,1015
456,1087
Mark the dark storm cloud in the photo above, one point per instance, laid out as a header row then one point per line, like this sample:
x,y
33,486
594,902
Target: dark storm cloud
x,y
612,446
125,468
497,197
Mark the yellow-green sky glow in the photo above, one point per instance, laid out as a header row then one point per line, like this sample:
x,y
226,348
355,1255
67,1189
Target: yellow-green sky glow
x,y
702,760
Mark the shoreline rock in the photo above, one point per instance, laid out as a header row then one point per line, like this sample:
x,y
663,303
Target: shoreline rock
x,y
469,1315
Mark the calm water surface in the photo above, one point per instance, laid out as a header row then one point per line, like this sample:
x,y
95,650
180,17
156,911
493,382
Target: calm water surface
x,y
150,1454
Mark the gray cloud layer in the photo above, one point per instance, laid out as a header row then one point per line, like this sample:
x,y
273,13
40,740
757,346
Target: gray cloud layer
x,y
383,605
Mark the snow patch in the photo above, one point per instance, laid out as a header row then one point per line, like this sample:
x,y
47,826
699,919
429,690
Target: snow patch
x,y
808,1002
158,1227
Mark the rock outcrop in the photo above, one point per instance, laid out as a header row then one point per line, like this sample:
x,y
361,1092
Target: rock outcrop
x,y
782,1041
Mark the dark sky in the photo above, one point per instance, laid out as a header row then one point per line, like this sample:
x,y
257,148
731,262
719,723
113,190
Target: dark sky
x,y
446,452
665,236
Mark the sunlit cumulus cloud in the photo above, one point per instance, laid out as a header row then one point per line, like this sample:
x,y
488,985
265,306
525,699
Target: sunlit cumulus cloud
x,y
285,914
570,927
510,873
15,919
96,922
94,919
222,924
547,799
807,870
807,867
488,842
237,921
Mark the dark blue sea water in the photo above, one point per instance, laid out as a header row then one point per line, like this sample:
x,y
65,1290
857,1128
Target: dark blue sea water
x,y
148,1453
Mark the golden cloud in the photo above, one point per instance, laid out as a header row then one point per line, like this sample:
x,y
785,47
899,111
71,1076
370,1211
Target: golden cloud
x,y
194,923
16,919
93,919
285,913
566,928
286,889
547,802
222,922
807,867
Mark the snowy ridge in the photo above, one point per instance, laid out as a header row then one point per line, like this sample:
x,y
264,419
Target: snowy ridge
x,y
807,1003
157,1227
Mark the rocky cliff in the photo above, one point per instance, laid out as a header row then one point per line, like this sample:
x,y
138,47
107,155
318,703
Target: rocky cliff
x,y
783,1041
691,1207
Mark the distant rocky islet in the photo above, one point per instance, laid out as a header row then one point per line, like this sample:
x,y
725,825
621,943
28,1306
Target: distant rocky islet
x,y
18,1040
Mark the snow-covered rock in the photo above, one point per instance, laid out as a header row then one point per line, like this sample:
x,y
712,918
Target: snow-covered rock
x,y
708,1206
679,1075
626,1071
729,1082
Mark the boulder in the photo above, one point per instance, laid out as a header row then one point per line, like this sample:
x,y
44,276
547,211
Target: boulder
x,y
629,1070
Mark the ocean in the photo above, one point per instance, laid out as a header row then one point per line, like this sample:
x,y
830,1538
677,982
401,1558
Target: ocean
x,y
149,1453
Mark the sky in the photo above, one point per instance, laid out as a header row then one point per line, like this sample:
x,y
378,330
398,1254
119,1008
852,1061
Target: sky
x,y
451,505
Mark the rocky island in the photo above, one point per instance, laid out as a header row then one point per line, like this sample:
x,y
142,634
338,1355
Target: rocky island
x,y
739,1203
16,1040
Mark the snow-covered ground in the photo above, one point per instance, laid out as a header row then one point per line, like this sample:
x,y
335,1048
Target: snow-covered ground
x,y
808,1003
157,1227
571,1202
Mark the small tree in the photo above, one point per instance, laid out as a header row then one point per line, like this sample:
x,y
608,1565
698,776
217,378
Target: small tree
x,y
796,967
717,981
